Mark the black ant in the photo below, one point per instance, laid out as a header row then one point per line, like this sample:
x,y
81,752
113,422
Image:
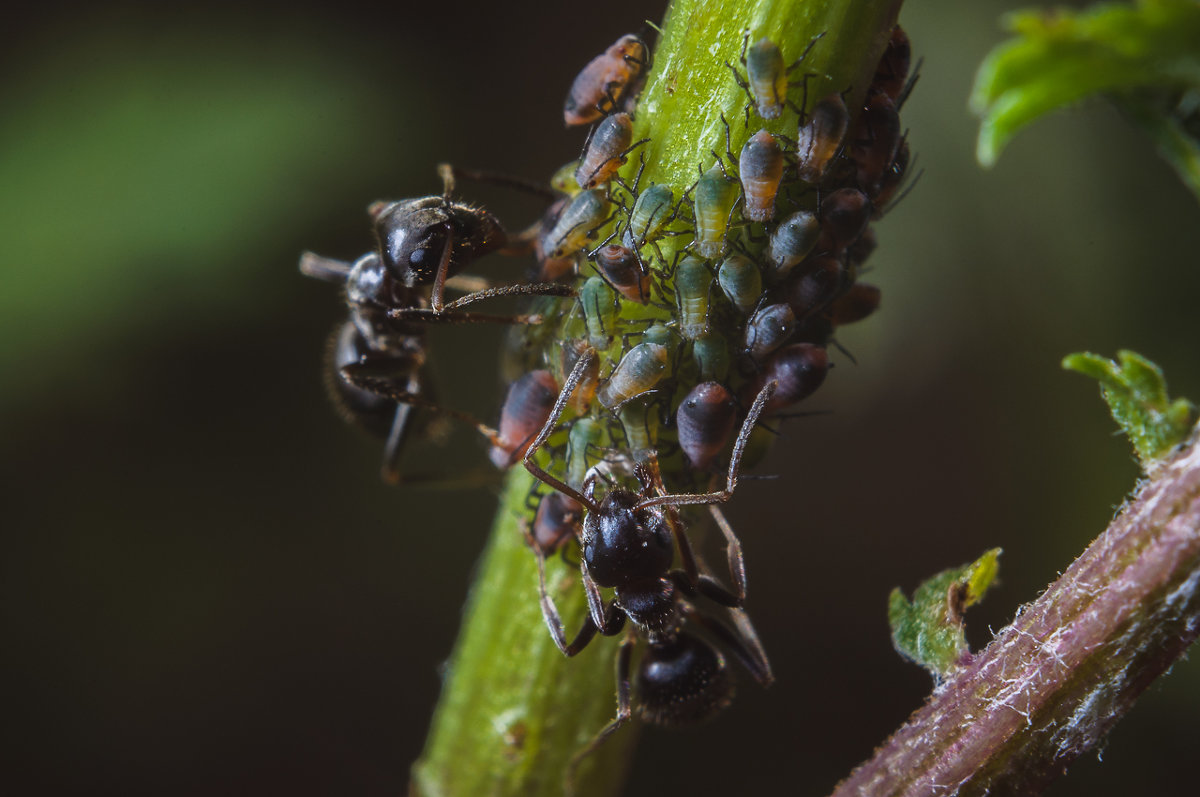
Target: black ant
x,y
628,542
377,361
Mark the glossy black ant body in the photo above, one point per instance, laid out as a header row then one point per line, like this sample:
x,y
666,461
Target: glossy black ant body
x,y
628,541
376,368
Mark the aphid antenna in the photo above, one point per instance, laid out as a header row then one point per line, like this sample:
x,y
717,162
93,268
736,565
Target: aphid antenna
x,y
911,184
909,84
844,351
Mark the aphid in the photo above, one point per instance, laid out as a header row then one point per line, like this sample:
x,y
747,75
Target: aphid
x,y
606,151
556,521
572,350
626,544
820,138
641,429
525,409
766,78
693,288
711,353
741,281
862,248
564,180
892,72
622,269
704,421
791,242
652,211
796,371
599,310
857,303
602,84
585,214
874,141
584,437
820,284
639,371
549,268
716,195
891,181
761,170
768,329
845,213
662,335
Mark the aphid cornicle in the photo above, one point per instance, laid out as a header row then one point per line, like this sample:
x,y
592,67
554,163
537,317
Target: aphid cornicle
x,y
820,138
704,422
622,269
639,371
525,409
760,168
791,242
693,289
768,329
716,195
577,224
628,542
741,281
606,151
604,82
855,305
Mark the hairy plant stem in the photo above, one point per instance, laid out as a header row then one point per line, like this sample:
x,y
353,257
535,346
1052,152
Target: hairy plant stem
x,y
514,710
1052,684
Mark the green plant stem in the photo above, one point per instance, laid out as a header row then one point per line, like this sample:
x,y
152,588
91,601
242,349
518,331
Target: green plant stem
x,y
1052,684
514,710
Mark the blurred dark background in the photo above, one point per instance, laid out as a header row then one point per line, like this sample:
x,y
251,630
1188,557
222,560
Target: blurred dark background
x,y
206,589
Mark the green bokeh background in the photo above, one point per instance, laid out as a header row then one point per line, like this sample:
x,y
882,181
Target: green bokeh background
x,y
206,590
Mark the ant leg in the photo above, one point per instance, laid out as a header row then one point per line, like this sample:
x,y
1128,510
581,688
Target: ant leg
x,y
737,563
324,268
520,289
735,461
624,710
550,612
564,395
744,643
361,378
390,470
428,315
450,172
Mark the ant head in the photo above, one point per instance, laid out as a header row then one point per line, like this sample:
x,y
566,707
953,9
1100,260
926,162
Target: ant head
x,y
682,681
415,234
623,545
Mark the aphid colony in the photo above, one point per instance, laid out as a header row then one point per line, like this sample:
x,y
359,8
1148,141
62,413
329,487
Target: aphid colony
x,y
669,323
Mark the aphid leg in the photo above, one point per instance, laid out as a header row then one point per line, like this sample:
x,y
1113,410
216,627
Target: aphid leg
x,y
909,84
735,461
728,146
564,396
623,156
624,710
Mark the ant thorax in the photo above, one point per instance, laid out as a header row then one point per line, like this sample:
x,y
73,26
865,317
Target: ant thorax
x,y
370,293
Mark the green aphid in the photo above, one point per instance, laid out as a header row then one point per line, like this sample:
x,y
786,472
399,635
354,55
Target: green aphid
x,y
693,289
578,223
584,438
716,195
641,429
741,280
640,370
711,353
599,311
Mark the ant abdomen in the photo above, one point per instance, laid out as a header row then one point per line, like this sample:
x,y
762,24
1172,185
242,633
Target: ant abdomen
x,y
683,681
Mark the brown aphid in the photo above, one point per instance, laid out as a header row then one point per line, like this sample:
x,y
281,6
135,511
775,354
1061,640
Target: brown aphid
x,y
820,283
704,421
798,370
845,213
525,410
862,248
606,151
761,169
622,269
892,72
820,137
874,141
599,88
859,302
556,521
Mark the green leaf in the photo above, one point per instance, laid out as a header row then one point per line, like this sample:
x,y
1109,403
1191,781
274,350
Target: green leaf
x,y
1141,51
1136,393
929,629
